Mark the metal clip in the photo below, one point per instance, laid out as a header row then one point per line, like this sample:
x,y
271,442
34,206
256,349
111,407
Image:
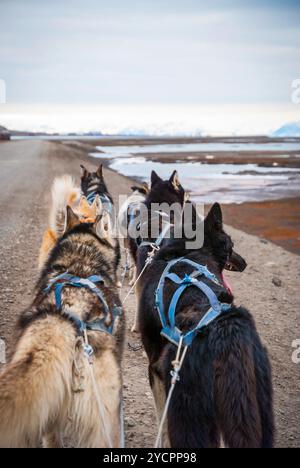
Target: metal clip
x,y
89,352
175,375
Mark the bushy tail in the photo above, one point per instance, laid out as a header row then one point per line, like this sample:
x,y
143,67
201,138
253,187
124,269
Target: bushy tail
x,y
64,192
33,387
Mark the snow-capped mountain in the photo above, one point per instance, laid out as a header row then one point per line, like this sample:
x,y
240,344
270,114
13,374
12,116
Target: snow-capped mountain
x,y
291,129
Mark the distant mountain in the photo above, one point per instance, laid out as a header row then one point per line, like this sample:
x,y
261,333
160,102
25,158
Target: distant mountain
x,y
4,133
291,129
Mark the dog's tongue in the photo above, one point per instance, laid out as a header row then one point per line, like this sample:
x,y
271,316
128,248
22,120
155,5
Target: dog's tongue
x,y
227,285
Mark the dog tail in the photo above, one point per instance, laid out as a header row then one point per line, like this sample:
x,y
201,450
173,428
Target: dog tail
x,y
35,384
64,193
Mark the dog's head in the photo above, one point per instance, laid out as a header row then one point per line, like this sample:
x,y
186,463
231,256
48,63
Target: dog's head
x,y
166,191
220,243
99,221
93,181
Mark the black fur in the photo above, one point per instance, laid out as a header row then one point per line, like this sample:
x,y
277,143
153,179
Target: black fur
x,y
93,182
162,192
91,179
226,386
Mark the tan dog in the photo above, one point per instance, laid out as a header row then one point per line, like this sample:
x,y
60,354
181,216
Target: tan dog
x,y
65,193
49,389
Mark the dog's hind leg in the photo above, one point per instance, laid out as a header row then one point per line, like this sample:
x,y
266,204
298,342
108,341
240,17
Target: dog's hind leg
x,y
133,276
96,421
159,394
264,395
135,328
236,401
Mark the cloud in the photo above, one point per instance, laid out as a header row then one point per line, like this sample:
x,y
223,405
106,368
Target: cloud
x,y
139,52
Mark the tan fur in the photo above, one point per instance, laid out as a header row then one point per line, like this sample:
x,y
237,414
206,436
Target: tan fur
x,y
48,243
65,193
175,182
159,394
38,390
49,389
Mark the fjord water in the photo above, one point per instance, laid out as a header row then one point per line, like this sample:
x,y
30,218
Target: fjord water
x,y
230,183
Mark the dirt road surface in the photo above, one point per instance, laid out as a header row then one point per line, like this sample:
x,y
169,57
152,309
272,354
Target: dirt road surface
x,y
269,287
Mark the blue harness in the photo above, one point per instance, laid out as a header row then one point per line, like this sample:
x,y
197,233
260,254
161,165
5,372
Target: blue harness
x,y
65,279
169,329
108,206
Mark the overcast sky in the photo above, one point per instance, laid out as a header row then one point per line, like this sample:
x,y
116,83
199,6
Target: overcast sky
x,y
139,52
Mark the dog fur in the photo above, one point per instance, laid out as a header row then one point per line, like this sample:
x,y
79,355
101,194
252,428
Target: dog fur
x,y
64,193
94,182
162,192
136,199
225,387
47,389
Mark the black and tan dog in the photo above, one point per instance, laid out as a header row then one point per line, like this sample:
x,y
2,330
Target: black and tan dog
x,y
49,389
225,387
93,184
164,193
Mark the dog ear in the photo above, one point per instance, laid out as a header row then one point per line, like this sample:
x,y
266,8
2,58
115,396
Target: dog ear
x,y
88,211
214,219
84,171
83,205
236,263
97,206
146,187
155,178
72,220
100,171
174,181
103,228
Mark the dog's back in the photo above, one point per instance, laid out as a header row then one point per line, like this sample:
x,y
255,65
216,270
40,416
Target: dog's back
x,y
49,385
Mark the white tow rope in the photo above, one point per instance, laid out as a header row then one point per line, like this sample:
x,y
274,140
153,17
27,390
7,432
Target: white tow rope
x,y
177,365
148,262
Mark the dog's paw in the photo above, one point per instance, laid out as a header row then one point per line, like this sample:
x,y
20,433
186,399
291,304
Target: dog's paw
x,y
119,284
135,329
131,282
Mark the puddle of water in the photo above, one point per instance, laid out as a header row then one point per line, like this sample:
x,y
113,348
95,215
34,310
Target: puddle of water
x,y
214,182
228,183
123,151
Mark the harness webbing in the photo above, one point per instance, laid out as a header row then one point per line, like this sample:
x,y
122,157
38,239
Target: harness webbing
x,y
169,329
65,279
108,206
